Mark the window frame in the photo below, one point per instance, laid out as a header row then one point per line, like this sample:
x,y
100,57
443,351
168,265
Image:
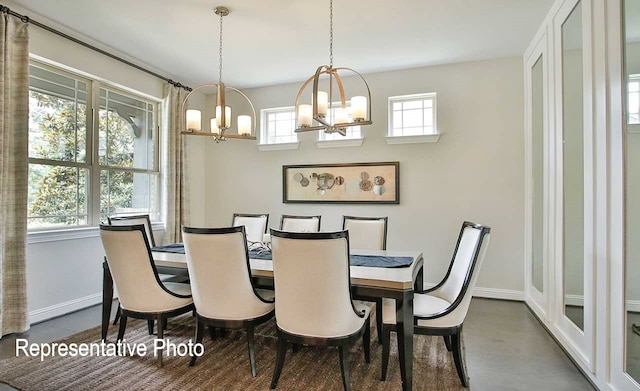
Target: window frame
x,y
410,139
263,144
631,128
92,160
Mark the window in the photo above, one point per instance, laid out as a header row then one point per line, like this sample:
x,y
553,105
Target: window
x,y
413,116
633,103
353,132
278,126
80,173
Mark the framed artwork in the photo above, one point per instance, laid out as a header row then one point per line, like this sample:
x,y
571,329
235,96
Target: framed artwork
x,y
342,183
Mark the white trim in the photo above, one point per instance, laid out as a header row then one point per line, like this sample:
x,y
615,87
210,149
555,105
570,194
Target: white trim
x,y
424,138
73,234
60,309
491,293
278,147
349,142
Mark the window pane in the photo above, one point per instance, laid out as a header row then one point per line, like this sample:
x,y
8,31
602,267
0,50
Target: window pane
x,y
412,104
126,132
123,192
428,117
397,105
57,196
416,131
428,103
57,127
412,118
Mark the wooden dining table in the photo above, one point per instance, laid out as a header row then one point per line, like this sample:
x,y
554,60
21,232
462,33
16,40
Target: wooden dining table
x,y
396,283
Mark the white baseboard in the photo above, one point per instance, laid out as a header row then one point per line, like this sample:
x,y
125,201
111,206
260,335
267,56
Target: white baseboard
x,y
578,301
56,310
497,293
491,293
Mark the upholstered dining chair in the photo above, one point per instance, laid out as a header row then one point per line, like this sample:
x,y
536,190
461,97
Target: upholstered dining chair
x,y
142,294
146,221
223,291
256,225
316,311
441,310
368,233
291,223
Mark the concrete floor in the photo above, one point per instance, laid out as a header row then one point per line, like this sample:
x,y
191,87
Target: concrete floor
x,y
506,347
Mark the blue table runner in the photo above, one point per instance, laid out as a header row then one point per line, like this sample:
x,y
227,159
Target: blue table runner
x,y
354,259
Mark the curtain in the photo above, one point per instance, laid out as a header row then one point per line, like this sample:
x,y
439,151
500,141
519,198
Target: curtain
x,y
175,205
14,167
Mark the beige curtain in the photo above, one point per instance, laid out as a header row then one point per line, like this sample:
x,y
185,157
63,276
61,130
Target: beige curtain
x,y
175,205
14,167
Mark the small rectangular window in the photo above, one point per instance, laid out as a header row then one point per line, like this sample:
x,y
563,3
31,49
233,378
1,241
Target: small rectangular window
x,y
277,126
412,115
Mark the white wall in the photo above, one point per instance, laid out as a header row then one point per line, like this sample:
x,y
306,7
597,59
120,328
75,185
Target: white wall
x,y
66,275
473,173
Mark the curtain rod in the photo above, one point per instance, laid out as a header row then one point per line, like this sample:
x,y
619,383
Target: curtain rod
x,y
26,19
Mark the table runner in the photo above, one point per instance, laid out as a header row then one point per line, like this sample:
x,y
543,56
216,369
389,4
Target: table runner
x,y
354,259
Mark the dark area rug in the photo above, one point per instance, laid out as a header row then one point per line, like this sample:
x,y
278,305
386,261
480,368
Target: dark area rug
x,y
225,365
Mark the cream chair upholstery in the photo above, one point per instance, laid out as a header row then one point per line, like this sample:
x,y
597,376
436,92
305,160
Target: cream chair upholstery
x,y
255,225
290,223
223,292
366,233
142,294
144,220
442,309
133,220
314,306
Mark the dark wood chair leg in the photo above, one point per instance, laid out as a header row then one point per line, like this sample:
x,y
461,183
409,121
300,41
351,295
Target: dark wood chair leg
x,y
212,333
160,336
456,342
379,318
386,342
165,321
282,352
122,328
115,320
366,342
344,366
150,326
295,347
223,333
447,342
252,355
199,336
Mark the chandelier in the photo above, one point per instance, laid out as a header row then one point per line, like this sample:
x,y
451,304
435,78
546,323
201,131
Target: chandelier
x,y
245,124
329,116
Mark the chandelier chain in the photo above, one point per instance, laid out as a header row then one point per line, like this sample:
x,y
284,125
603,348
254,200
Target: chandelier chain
x,y
330,33
220,52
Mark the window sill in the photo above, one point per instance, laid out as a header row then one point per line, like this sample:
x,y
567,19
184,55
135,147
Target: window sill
x,y
278,147
352,142
427,138
58,235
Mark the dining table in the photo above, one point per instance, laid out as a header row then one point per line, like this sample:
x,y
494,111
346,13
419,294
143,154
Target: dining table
x,y
397,283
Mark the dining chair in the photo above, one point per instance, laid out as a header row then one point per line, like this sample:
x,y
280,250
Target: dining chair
x,y
256,225
316,310
291,223
142,294
441,310
368,233
223,291
146,221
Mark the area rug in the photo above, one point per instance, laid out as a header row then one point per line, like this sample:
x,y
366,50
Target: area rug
x,y
225,365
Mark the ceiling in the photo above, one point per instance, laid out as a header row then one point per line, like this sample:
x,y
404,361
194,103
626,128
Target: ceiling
x,y
278,41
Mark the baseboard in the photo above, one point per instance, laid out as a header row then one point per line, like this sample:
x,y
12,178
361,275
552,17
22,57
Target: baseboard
x,y
491,293
56,310
578,301
497,293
